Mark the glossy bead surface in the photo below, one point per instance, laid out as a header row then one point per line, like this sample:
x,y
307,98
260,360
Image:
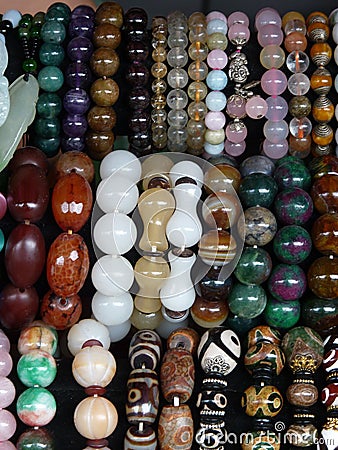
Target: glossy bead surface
x,y
263,333
104,92
302,435
264,356
260,226
36,368
112,275
7,392
75,161
145,349
67,264
262,402
324,193
321,315
254,266
37,336
322,277
302,394
36,407
136,439
209,314
293,175
282,315
7,425
293,206
247,300
287,282
175,429
6,363
143,396
292,244
324,234
60,312
257,190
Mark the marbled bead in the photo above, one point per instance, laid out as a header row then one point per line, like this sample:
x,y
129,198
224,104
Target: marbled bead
x,y
109,12
35,437
51,54
262,401
287,282
136,439
36,407
260,226
293,175
176,429
183,338
302,435
50,78
104,62
324,165
104,92
49,105
282,315
292,244
60,312
293,206
177,375
322,277
53,32
143,396
74,125
76,101
101,118
209,314
145,349
324,193
302,394
324,234
257,190
37,336
36,368
247,300
254,266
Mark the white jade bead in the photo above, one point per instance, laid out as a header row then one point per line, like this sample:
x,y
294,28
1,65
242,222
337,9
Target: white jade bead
x,y
117,193
86,330
112,310
123,163
112,275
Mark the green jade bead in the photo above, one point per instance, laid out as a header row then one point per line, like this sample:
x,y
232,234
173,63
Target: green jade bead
x,y
51,54
241,325
63,8
292,244
30,65
47,128
254,266
25,20
247,301
34,31
49,146
36,368
49,105
293,174
39,19
50,78
35,439
288,159
36,407
282,315
53,32
60,15
257,189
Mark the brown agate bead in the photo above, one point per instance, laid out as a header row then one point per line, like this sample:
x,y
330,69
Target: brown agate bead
x,y
176,428
109,12
18,307
25,255
104,62
67,264
323,277
72,201
60,312
300,147
99,144
263,333
28,193
222,177
262,401
28,155
136,438
321,81
101,118
104,92
143,396
184,339
74,161
324,194
217,247
221,210
295,41
145,349
209,314
302,394
177,375
107,35
324,234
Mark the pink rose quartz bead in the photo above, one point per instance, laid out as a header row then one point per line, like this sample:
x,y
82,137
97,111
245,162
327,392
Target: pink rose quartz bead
x,y
239,31
267,16
216,15
238,17
275,151
274,82
234,149
217,59
214,120
7,392
7,425
7,445
275,131
4,342
236,135
236,106
277,108
6,363
270,34
256,107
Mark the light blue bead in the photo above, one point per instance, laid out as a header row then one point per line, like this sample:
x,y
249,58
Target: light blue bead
x,y
217,80
213,149
215,101
217,26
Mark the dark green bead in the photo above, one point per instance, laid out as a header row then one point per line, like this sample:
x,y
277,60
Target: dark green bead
x,y
35,439
25,20
23,32
30,65
49,146
59,11
47,128
287,159
282,315
53,32
50,78
254,266
321,315
39,18
247,300
51,54
49,105
35,32
292,244
293,174
241,325
257,189
303,341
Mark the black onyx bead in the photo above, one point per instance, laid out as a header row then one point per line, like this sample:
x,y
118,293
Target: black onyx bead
x,y
5,26
137,51
136,16
139,98
137,74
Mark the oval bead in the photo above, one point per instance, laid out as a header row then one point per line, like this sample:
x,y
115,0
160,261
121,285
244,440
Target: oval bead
x,y
75,161
60,312
67,264
28,155
72,200
302,394
143,396
176,428
25,255
262,401
28,193
177,375
18,307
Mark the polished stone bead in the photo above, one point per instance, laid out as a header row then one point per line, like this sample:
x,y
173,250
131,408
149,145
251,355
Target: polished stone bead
x,y
107,35
47,128
292,244
214,286
222,177
247,300
137,74
217,247
177,375
324,165
99,144
324,234
140,439
176,428
36,368
81,26
51,54
104,92
287,282
53,32
143,396
257,190
79,48
59,12
34,439
264,356
69,144
282,315
257,164
221,210
50,146
293,206
302,435
254,266
299,106
209,314
49,105
18,307
260,226
36,407
321,79
293,174
109,12
323,277
183,339
324,194
263,333
74,161
74,125
76,101
145,349
38,336
101,118
262,401
60,312
241,325
303,348
302,394
104,62
321,315
50,78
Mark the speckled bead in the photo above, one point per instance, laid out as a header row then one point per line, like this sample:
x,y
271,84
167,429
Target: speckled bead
x,y
293,206
287,282
292,244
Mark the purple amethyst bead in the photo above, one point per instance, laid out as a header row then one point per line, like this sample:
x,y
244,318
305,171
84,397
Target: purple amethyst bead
x,y
76,101
73,143
74,125
81,26
80,48
78,75
83,11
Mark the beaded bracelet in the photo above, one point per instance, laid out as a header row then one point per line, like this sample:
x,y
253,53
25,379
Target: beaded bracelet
x,y
333,20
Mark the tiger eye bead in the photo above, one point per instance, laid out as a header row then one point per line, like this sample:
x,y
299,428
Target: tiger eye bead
x,y
321,54
324,193
104,92
99,144
104,62
107,35
323,277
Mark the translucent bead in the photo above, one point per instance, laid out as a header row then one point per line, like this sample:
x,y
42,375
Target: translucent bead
x,y
299,106
295,26
335,33
236,132
299,84
295,41
217,80
234,148
215,101
177,78
270,34
198,50
215,120
238,17
275,131
274,82
217,26
217,59
159,70
197,110
277,108
197,90
197,20
212,149
159,86
300,128
267,16
215,137
195,128
86,330
335,54
198,35
198,70
179,147
236,106
216,15
177,21
13,16
177,57
336,83
217,40
177,99
159,54
177,118
297,61
256,107
177,39
275,151
177,135
272,56
238,34
290,16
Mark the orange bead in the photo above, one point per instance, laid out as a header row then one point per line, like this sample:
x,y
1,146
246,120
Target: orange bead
x,y
295,41
318,32
322,110
322,134
292,15
321,81
316,16
321,54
